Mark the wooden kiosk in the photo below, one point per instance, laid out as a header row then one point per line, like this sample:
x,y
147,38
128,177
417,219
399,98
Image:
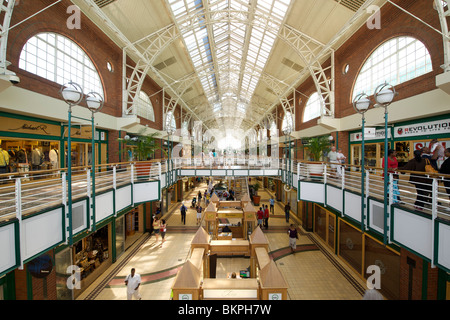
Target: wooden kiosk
x,y
265,283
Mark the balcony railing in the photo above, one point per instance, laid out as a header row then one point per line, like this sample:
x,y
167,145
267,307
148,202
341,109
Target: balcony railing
x,y
23,193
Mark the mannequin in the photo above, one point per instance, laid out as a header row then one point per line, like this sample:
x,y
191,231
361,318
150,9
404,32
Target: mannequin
x,y
36,158
4,161
53,155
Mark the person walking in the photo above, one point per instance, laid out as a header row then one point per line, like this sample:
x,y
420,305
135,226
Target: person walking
x,y
199,214
260,216
445,169
133,281
156,225
266,217
421,182
272,204
162,230
199,196
293,236
287,211
183,211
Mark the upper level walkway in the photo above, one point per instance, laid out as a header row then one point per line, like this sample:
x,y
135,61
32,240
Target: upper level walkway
x,y
35,215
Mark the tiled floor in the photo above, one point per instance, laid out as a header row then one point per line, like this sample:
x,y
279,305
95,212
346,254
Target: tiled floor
x,y
312,273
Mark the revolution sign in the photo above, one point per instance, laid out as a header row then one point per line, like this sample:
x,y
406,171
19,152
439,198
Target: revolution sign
x,y
421,129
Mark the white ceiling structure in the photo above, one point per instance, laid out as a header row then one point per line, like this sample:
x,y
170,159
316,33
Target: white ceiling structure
x,y
229,63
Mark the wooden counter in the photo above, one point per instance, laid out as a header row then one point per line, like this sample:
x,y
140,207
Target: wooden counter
x,y
197,257
262,257
230,247
230,289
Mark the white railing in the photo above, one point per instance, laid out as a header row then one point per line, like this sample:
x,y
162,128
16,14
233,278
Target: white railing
x,y
29,192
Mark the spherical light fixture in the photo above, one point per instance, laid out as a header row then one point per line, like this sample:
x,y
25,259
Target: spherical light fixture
x,y
384,95
72,93
94,102
361,103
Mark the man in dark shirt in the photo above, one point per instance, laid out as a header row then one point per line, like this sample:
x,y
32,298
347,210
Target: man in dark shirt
x,y
445,169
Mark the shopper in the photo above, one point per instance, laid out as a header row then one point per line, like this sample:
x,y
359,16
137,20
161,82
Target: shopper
x,y
392,168
272,205
260,215
287,211
445,169
183,211
333,159
199,214
199,196
162,230
341,159
133,281
293,236
266,217
438,151
420,181
156,225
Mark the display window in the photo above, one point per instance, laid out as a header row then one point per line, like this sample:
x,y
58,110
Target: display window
x,y
30,155
91,252
373,154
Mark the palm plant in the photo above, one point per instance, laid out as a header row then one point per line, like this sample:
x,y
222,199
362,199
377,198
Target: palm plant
x,y
317,146
143,145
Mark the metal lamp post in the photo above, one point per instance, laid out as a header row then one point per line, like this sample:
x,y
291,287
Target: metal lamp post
x,y
361,104
384,95
72,94
287,131
94,103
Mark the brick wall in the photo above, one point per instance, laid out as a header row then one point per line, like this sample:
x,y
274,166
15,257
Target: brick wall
x,y
39,290
418,277
91,39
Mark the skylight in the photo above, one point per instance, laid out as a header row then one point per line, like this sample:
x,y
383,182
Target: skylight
x,y
217,51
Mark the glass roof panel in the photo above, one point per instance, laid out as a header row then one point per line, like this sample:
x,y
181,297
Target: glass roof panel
x,y
218,53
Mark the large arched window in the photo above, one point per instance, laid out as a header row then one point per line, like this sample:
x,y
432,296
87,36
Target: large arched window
x,y
395,61
313,108
288,123
144,107
59,59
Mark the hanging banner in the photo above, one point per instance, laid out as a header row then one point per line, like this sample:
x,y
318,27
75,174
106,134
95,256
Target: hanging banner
x,y
421,129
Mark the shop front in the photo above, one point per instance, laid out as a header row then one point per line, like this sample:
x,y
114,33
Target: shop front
x,y
92,255
404,137
36,144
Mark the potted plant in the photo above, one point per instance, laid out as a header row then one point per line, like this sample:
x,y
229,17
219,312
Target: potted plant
x,y
140,148
317,147
256,197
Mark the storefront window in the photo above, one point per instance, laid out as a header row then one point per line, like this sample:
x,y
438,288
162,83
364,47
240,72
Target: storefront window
x,y
63,260
91,252
31,155
120,236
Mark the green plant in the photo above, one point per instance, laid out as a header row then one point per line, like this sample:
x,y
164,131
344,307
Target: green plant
x,y
317,146
256,187
143,145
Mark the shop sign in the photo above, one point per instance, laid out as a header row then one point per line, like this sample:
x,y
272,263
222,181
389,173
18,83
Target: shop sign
x,y
29,127
421,129
420,145
373,135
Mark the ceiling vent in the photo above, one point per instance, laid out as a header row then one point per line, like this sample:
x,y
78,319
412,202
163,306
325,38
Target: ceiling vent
x,y
165,63
291,64
353,5
103,3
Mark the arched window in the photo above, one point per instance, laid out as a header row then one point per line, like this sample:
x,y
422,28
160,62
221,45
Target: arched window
x,y
170,121
59,59
288,123
313,108
144,107
395,61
